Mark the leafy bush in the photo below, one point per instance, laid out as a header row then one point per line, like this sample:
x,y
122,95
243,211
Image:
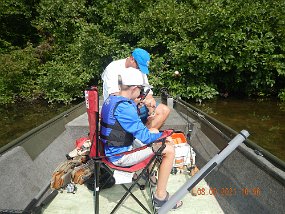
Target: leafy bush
x,y
217,46
15,19
227,46
281,95
18,75
63,79
60,19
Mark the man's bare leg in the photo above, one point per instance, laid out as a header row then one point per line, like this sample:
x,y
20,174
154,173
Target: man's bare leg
x,y
161,114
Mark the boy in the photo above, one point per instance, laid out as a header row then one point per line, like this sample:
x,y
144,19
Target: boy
x,y
120,125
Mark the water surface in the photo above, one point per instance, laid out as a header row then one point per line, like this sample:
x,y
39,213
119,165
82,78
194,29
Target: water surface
x,y
17,119
263,118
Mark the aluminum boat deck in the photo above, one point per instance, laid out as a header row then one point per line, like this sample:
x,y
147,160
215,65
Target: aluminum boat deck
x,y
82,201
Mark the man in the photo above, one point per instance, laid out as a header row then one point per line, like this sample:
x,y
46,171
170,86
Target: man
x,y
120,125
153,116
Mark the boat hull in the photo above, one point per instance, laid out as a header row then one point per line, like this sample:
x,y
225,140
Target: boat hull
x,y
243,183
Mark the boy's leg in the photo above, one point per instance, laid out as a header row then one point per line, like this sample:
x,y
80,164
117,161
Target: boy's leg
x,y
164,171
163,175
134,158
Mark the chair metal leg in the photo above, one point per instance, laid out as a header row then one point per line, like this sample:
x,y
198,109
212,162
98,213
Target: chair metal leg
x,y
96,186
128,190
136,199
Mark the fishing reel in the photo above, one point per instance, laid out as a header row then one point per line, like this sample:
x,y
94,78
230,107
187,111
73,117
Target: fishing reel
x,y
143,94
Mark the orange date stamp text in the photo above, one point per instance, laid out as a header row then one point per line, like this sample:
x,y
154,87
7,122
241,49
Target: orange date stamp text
x,y
229,191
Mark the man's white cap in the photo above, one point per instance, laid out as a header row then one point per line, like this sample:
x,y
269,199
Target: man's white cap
x,y
133,76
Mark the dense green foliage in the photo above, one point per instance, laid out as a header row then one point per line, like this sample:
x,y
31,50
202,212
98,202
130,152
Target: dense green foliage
x,y
56,48
19,74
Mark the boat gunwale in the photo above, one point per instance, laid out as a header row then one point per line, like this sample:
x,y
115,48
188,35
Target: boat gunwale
x,y
22,139
258,160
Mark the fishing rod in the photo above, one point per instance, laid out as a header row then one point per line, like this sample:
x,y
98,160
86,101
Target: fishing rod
x,y
165,93
201,116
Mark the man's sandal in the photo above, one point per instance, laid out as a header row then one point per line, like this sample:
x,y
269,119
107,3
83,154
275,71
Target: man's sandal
x,y
159,203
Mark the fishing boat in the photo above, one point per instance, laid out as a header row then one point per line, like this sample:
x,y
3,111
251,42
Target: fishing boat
x,y
249,180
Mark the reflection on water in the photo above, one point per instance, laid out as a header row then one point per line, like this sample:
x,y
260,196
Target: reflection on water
x,y
20,118
263,118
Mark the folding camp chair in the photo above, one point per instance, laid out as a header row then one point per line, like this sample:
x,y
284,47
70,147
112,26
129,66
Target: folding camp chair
x,y
97,154
141,166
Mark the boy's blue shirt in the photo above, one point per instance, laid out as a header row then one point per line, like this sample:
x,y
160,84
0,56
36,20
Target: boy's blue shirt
x,y
127,115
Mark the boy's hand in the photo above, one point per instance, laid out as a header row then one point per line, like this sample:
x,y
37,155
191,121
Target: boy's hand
x,y
169,140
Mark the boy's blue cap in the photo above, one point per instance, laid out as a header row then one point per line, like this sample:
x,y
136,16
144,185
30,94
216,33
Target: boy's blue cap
x,y
142,57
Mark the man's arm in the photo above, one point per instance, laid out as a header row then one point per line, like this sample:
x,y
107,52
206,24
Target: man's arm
x,y
149,101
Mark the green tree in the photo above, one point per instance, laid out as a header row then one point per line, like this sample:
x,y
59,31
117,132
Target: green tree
x,y
61,24
15,23
18,75
61,19
216,46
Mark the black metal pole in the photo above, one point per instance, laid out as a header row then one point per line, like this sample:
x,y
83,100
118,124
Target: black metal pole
x,y
96,162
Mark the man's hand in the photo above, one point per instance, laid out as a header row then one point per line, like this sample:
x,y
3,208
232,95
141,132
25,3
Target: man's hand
x,y
149,101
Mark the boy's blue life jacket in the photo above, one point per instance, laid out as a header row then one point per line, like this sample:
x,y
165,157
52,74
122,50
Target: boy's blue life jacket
x,y
111,132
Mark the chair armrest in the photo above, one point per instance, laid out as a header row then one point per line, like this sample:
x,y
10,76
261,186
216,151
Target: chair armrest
x,y
166,133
